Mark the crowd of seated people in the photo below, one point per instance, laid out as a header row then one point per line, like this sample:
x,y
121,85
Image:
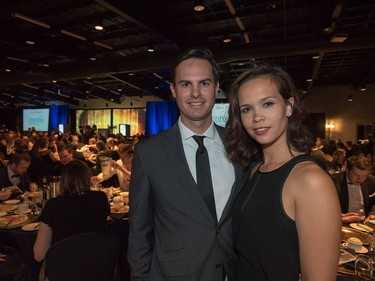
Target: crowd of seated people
x,y
332,155
48,153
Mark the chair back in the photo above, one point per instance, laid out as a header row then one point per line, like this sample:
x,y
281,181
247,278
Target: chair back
x,y
86,256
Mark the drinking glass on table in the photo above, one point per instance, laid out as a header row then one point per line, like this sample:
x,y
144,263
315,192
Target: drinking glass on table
x,y
363,267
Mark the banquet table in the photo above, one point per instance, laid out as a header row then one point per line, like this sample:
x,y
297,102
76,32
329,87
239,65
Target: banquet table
x,y
23,241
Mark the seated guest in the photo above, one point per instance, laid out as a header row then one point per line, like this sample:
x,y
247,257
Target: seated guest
x,y
338,162
77,210
15,174
65,155
356,190
122,167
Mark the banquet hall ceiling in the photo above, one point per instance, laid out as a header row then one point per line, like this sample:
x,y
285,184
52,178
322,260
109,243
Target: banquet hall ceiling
x,y
50,50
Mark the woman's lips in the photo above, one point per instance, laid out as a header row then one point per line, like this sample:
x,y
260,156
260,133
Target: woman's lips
x,y
261,131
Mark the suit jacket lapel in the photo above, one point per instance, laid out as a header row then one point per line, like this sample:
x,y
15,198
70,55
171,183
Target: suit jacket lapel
x,y
176,155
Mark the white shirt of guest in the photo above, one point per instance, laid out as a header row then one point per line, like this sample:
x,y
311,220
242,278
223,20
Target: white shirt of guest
x,y
122,177
14,180
222,170
356,204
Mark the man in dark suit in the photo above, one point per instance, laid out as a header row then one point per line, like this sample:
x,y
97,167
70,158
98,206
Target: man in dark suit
x,y
15,174
356,190
174,235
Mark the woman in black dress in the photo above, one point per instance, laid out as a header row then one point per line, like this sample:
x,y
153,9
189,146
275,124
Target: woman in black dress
x,y
287,220
77,210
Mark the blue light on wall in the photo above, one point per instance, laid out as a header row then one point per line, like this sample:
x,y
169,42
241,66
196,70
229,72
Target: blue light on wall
x,y
160,116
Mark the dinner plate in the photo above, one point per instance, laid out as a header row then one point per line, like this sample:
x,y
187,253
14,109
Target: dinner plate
x,y
347,232
31,226
345,257
363,250
361,227
12,202
8,208
370,223
20,213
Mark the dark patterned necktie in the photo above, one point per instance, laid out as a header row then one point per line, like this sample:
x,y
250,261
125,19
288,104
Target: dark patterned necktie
x,y
204,180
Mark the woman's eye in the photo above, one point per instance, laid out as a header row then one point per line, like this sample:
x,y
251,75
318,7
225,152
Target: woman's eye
x,y
269,103
245,109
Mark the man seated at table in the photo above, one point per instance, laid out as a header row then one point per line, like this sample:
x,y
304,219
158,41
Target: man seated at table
x,y
15,174
356,190
121,167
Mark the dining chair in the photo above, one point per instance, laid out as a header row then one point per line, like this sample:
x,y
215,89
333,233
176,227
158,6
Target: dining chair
x,y
87,256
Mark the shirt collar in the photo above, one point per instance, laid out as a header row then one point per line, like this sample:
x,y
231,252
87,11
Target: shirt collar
x,y
186,133
10,172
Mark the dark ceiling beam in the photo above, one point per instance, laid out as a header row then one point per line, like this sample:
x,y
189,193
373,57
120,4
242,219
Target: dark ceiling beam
x,y
108,66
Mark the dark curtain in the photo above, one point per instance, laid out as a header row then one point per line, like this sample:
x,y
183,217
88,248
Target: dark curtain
x,y
59,114
160,116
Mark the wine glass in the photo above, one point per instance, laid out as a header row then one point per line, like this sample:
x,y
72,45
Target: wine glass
x,y
363,268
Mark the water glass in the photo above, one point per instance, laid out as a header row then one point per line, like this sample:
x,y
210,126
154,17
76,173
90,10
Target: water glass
x,y
363,268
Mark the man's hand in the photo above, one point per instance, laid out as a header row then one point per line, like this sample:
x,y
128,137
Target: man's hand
x,y
352,217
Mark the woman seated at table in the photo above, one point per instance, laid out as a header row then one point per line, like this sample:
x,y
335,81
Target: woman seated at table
x,y
77,210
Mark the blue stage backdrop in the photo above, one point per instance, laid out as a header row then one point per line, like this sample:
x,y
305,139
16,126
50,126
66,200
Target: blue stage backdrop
x,y
58,114
160,116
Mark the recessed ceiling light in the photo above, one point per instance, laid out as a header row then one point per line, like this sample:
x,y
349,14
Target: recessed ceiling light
x,y
309,80
315,57
29,42
54,81
7,70
131,74
99,27
92,58
227,40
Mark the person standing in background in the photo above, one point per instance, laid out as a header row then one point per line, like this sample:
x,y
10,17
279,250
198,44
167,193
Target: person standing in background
x,y
174,234
286,221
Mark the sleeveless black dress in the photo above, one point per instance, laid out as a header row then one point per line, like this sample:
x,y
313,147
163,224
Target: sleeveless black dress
x,y
265,237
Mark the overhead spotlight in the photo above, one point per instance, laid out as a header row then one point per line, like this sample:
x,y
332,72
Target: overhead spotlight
x,y
227,39
92,58
119,89
99,26
199,5
315,57
29,42
350,98
150,49
309,80
363,88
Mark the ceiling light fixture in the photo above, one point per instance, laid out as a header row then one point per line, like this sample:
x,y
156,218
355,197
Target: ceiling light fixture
x,y
199,5
72,34
227,39
7,70
339,37
29,42
150,49
99,26
363,88
31,20
315,57
350,98
92,58
309,80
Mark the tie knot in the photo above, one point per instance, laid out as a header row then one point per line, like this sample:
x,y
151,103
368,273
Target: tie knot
x,y
199,140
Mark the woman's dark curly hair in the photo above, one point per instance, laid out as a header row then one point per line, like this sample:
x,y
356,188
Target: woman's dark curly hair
x,y
241,148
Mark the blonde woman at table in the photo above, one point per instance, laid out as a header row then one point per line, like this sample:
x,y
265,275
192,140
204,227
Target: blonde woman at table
x,y
287,219
77,210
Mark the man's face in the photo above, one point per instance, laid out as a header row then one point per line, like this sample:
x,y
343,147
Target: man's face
x,y
195,91
20,168
65,156
357,176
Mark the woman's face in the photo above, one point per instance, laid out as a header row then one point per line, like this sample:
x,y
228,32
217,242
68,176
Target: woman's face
x,y
264,113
